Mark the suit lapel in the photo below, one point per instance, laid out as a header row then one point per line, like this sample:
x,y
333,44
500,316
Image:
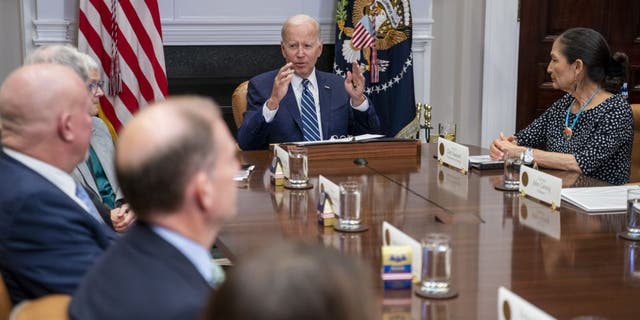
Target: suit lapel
x,y
324,94
291,104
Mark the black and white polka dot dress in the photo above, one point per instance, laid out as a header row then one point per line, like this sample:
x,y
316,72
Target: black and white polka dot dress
x,y
601,140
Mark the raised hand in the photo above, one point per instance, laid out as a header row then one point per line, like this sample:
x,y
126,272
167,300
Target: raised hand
x,y
280,85
354,84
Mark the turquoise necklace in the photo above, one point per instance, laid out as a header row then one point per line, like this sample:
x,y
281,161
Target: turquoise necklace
x,y
568,131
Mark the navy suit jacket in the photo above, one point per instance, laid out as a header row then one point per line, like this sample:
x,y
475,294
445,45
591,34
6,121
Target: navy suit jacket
x,y
337,115
47,241
141,277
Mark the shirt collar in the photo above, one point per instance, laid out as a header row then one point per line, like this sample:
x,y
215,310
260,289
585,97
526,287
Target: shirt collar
x,y
194,252
296,81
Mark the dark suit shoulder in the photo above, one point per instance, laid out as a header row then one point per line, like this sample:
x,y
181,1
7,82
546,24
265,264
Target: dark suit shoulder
x,y
141,264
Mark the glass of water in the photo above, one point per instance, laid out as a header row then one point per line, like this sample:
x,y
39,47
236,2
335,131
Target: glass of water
x,y
512,163
436,263
632,231
447,130
298,168
349,205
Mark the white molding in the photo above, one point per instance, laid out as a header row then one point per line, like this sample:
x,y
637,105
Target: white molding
x,y
48,31
213,32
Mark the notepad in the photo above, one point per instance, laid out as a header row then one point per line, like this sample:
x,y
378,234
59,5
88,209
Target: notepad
x,y
598,199
484,162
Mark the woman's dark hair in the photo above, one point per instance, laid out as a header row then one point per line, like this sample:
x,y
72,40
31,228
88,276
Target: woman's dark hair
x,y
295,280
589,46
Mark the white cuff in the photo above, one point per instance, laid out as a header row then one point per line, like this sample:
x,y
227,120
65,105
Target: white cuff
x,y
268,114
362,107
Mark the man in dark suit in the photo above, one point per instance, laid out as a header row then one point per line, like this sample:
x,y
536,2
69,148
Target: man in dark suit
x,y
179,181
298,102
50,232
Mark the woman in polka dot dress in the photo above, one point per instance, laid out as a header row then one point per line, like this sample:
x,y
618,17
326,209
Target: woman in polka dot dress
x,y
590,129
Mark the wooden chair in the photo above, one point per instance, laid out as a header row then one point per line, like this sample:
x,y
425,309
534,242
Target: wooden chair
x,y
635,151
53,306
239,102
5,301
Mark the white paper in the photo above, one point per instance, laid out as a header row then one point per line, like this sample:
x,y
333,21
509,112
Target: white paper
x,y
598,199
341,140
483,159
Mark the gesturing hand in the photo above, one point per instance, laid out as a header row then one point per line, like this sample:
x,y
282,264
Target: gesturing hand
x,y
280,85
354,84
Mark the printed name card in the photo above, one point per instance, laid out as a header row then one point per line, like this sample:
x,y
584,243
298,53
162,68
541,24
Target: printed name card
x,y
539,217
453,154
331,195
283,155
541,186
513,307
392,236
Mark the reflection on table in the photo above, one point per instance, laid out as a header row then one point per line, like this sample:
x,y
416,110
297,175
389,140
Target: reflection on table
x,y
565,262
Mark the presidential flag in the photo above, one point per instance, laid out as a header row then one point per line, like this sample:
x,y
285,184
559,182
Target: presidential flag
x,y
125,38
377,34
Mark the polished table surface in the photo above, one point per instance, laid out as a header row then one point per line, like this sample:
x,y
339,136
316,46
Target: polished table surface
x,y
566,262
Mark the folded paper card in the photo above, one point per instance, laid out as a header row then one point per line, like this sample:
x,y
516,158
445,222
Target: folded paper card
x,y
513,307
541,186
392,236
453,154
328,201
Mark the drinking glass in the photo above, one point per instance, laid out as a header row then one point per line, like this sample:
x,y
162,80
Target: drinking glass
x,y
512,163
298,170
447,130
349,204
632,231
436,263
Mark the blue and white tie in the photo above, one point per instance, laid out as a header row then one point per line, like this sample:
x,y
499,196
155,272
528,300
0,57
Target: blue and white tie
x,y
310,129
84,197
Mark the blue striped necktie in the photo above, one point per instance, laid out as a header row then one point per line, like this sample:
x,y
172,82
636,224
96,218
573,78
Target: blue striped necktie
x,y
310,129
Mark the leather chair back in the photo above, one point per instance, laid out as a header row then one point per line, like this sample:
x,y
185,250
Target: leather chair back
x,y
5,301
239,102
635,151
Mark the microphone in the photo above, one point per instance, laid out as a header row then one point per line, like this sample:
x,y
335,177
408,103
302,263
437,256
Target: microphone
x,y
362,162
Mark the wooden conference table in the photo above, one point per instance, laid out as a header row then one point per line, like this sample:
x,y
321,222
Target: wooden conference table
x,y
566,262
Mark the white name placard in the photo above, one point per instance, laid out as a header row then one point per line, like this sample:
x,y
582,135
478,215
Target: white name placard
x,y
333,192
539,217
453,154
513,307
392,236
283,155
541,186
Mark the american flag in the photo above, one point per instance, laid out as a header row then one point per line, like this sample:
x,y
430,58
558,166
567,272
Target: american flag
x,y
362,35
125,37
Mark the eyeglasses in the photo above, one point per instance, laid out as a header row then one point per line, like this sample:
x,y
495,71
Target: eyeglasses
x,y
94,86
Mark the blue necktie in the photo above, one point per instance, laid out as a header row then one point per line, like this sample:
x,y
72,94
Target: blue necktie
x,y
310,129
84,197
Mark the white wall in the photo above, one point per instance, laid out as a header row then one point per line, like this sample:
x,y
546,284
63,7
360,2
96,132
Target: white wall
x,y
456,68
10,37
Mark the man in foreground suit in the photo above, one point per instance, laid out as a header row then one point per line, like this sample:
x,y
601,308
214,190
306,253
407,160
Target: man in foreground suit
x,y
277,100
179,181
50,233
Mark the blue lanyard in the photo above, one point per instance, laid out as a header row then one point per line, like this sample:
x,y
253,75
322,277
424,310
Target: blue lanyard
x,y
566,119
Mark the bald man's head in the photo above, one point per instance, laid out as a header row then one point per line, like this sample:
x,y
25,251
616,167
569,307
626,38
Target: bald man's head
x,y
44,108
163,147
